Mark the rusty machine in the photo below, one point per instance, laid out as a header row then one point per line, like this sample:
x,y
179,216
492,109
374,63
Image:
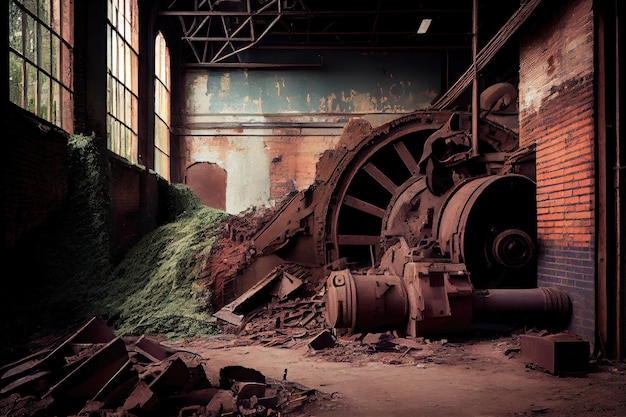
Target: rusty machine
x,y
418,227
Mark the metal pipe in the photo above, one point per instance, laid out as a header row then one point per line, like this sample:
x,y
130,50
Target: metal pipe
x,y
488,52
620,269
526,300
475,109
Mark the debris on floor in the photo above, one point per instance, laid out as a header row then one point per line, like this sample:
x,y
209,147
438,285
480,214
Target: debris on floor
x,y
281,282
95,373
267,317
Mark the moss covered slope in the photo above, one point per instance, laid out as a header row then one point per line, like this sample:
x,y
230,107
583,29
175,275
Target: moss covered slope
x,y
156,288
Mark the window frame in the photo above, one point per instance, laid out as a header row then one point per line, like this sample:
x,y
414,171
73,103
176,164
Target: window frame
x,y
41,51
162,107
122,116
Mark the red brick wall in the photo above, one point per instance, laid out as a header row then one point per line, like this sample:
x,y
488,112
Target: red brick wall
x,y
293,162
557,114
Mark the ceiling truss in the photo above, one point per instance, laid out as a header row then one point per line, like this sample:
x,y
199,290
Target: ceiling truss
x,y
221,32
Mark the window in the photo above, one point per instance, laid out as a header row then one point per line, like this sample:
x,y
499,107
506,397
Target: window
x,y
161,107
122,78
41,45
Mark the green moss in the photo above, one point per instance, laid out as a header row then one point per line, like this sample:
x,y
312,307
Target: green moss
x,y
181,199
156,285
62,262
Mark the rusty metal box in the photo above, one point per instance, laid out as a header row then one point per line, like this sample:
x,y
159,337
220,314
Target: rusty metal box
x,y
556,353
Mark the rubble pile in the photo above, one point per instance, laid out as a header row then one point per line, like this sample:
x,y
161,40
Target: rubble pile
x,y
94,373
288,324
232,254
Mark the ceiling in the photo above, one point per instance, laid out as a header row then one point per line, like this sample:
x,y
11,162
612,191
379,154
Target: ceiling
x,y
249,33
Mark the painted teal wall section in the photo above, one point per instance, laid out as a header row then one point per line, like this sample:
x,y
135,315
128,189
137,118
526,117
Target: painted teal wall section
x,y
347,82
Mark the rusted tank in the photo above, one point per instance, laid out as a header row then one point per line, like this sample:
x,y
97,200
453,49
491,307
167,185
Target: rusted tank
x,y
409,227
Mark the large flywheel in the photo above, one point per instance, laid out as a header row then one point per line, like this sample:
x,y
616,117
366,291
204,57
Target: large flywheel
x,y
363,201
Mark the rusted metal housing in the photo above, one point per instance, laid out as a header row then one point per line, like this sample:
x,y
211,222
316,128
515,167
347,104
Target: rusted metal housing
x,y
432,298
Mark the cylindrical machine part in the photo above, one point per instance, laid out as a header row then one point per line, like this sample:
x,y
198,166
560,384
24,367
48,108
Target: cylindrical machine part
x,y
371,302
489,224
367,302
513,248
550,302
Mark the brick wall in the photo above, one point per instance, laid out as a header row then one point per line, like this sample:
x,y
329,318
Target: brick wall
x,y
35,173
293,161
557,114
125,195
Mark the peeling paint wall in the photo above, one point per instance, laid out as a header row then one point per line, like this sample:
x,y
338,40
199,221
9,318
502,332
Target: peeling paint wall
x,y
245,163
263,161
267,128
347,83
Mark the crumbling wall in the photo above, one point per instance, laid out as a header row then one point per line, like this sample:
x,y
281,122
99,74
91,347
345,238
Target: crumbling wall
x,y
268,129
263,159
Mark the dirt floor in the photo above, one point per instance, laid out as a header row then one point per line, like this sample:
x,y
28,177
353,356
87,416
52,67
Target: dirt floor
x,y
476,376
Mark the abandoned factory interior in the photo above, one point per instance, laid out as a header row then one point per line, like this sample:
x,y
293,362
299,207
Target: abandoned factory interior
x,y
313,208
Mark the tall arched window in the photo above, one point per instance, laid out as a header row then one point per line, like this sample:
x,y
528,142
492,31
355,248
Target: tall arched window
x,y
122,78
41,42
161,107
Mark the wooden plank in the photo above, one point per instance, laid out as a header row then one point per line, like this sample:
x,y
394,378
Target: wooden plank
x,y
233,312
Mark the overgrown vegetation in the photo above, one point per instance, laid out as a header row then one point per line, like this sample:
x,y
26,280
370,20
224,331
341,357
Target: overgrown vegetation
x,y
66,272
156,286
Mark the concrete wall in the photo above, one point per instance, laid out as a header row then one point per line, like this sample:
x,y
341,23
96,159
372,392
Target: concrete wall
x,y
557,114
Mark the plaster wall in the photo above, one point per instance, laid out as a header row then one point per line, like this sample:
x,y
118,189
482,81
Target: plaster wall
x,y
262,164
